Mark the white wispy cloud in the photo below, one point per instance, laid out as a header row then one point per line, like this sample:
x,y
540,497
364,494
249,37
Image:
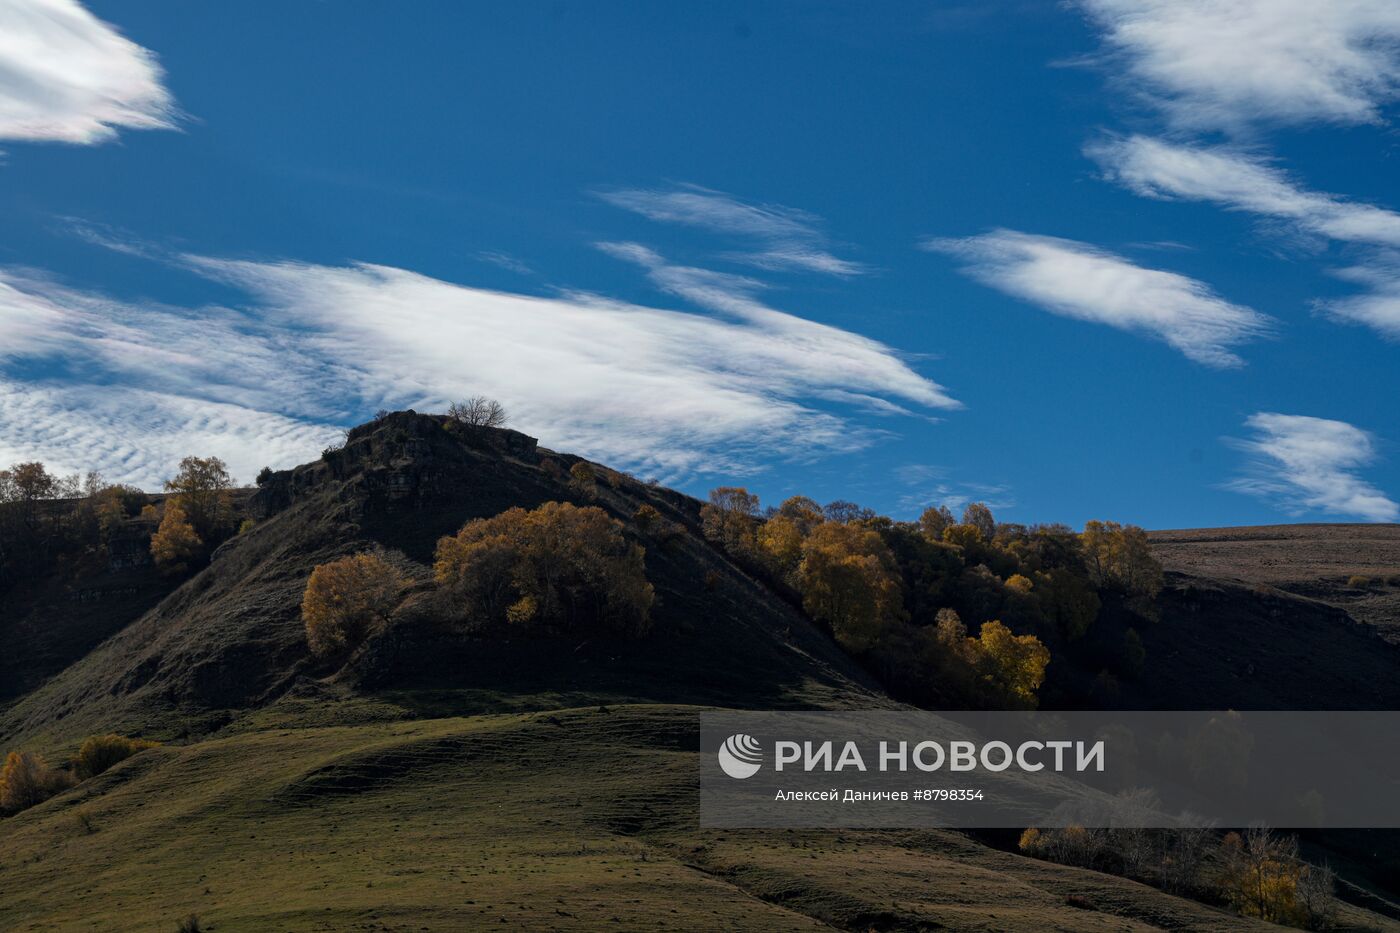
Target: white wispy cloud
x,y
1239,181
1227,64
1302,463
842,365
931,486
1081,281
505,261
134,435
663,390
128,386
66,76
1378,308
214,354
789,238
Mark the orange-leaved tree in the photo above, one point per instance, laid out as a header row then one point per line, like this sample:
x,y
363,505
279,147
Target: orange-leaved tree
x,y
849,580
26,779
347,600
558,565
176,544
730,519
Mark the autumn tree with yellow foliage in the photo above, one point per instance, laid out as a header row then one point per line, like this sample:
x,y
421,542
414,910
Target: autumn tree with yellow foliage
x,y
100,752
176,544
730,519
347,600
1263,876
896,592
849,581
1120,556
558,565
1013,665
201,489
26,779
780,538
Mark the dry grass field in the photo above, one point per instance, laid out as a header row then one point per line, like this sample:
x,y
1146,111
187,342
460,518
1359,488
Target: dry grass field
x,y
1320,562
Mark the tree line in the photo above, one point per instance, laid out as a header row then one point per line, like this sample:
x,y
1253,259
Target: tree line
x,y
54,521
904,597
1258,873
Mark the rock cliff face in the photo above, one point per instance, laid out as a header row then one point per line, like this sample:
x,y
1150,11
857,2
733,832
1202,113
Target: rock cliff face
x,y
230,639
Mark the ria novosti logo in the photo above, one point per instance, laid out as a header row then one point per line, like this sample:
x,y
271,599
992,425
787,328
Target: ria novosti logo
x,y
740,756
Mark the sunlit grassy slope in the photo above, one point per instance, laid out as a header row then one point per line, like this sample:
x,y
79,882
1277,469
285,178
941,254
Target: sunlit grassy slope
x,y
575,819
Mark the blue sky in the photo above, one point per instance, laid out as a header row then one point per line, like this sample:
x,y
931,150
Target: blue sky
x,y
1128,259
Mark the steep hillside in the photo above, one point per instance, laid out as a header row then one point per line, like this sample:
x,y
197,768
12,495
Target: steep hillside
x,y
49,623
230,639
1226,644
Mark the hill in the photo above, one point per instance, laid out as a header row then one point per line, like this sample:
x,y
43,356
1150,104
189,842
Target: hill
x,y
571,820
230,638
1319,562
445,779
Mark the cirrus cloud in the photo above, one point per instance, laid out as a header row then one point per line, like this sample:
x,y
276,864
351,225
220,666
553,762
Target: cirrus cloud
x,y
66,76
1081,281
790,238
316,347
1379,307
1238,181
1302,463
1227,64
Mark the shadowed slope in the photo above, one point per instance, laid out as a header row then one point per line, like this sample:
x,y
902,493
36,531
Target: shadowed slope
x,y
230,639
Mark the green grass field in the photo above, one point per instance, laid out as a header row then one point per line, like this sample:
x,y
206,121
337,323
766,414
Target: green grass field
x,y
576,819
